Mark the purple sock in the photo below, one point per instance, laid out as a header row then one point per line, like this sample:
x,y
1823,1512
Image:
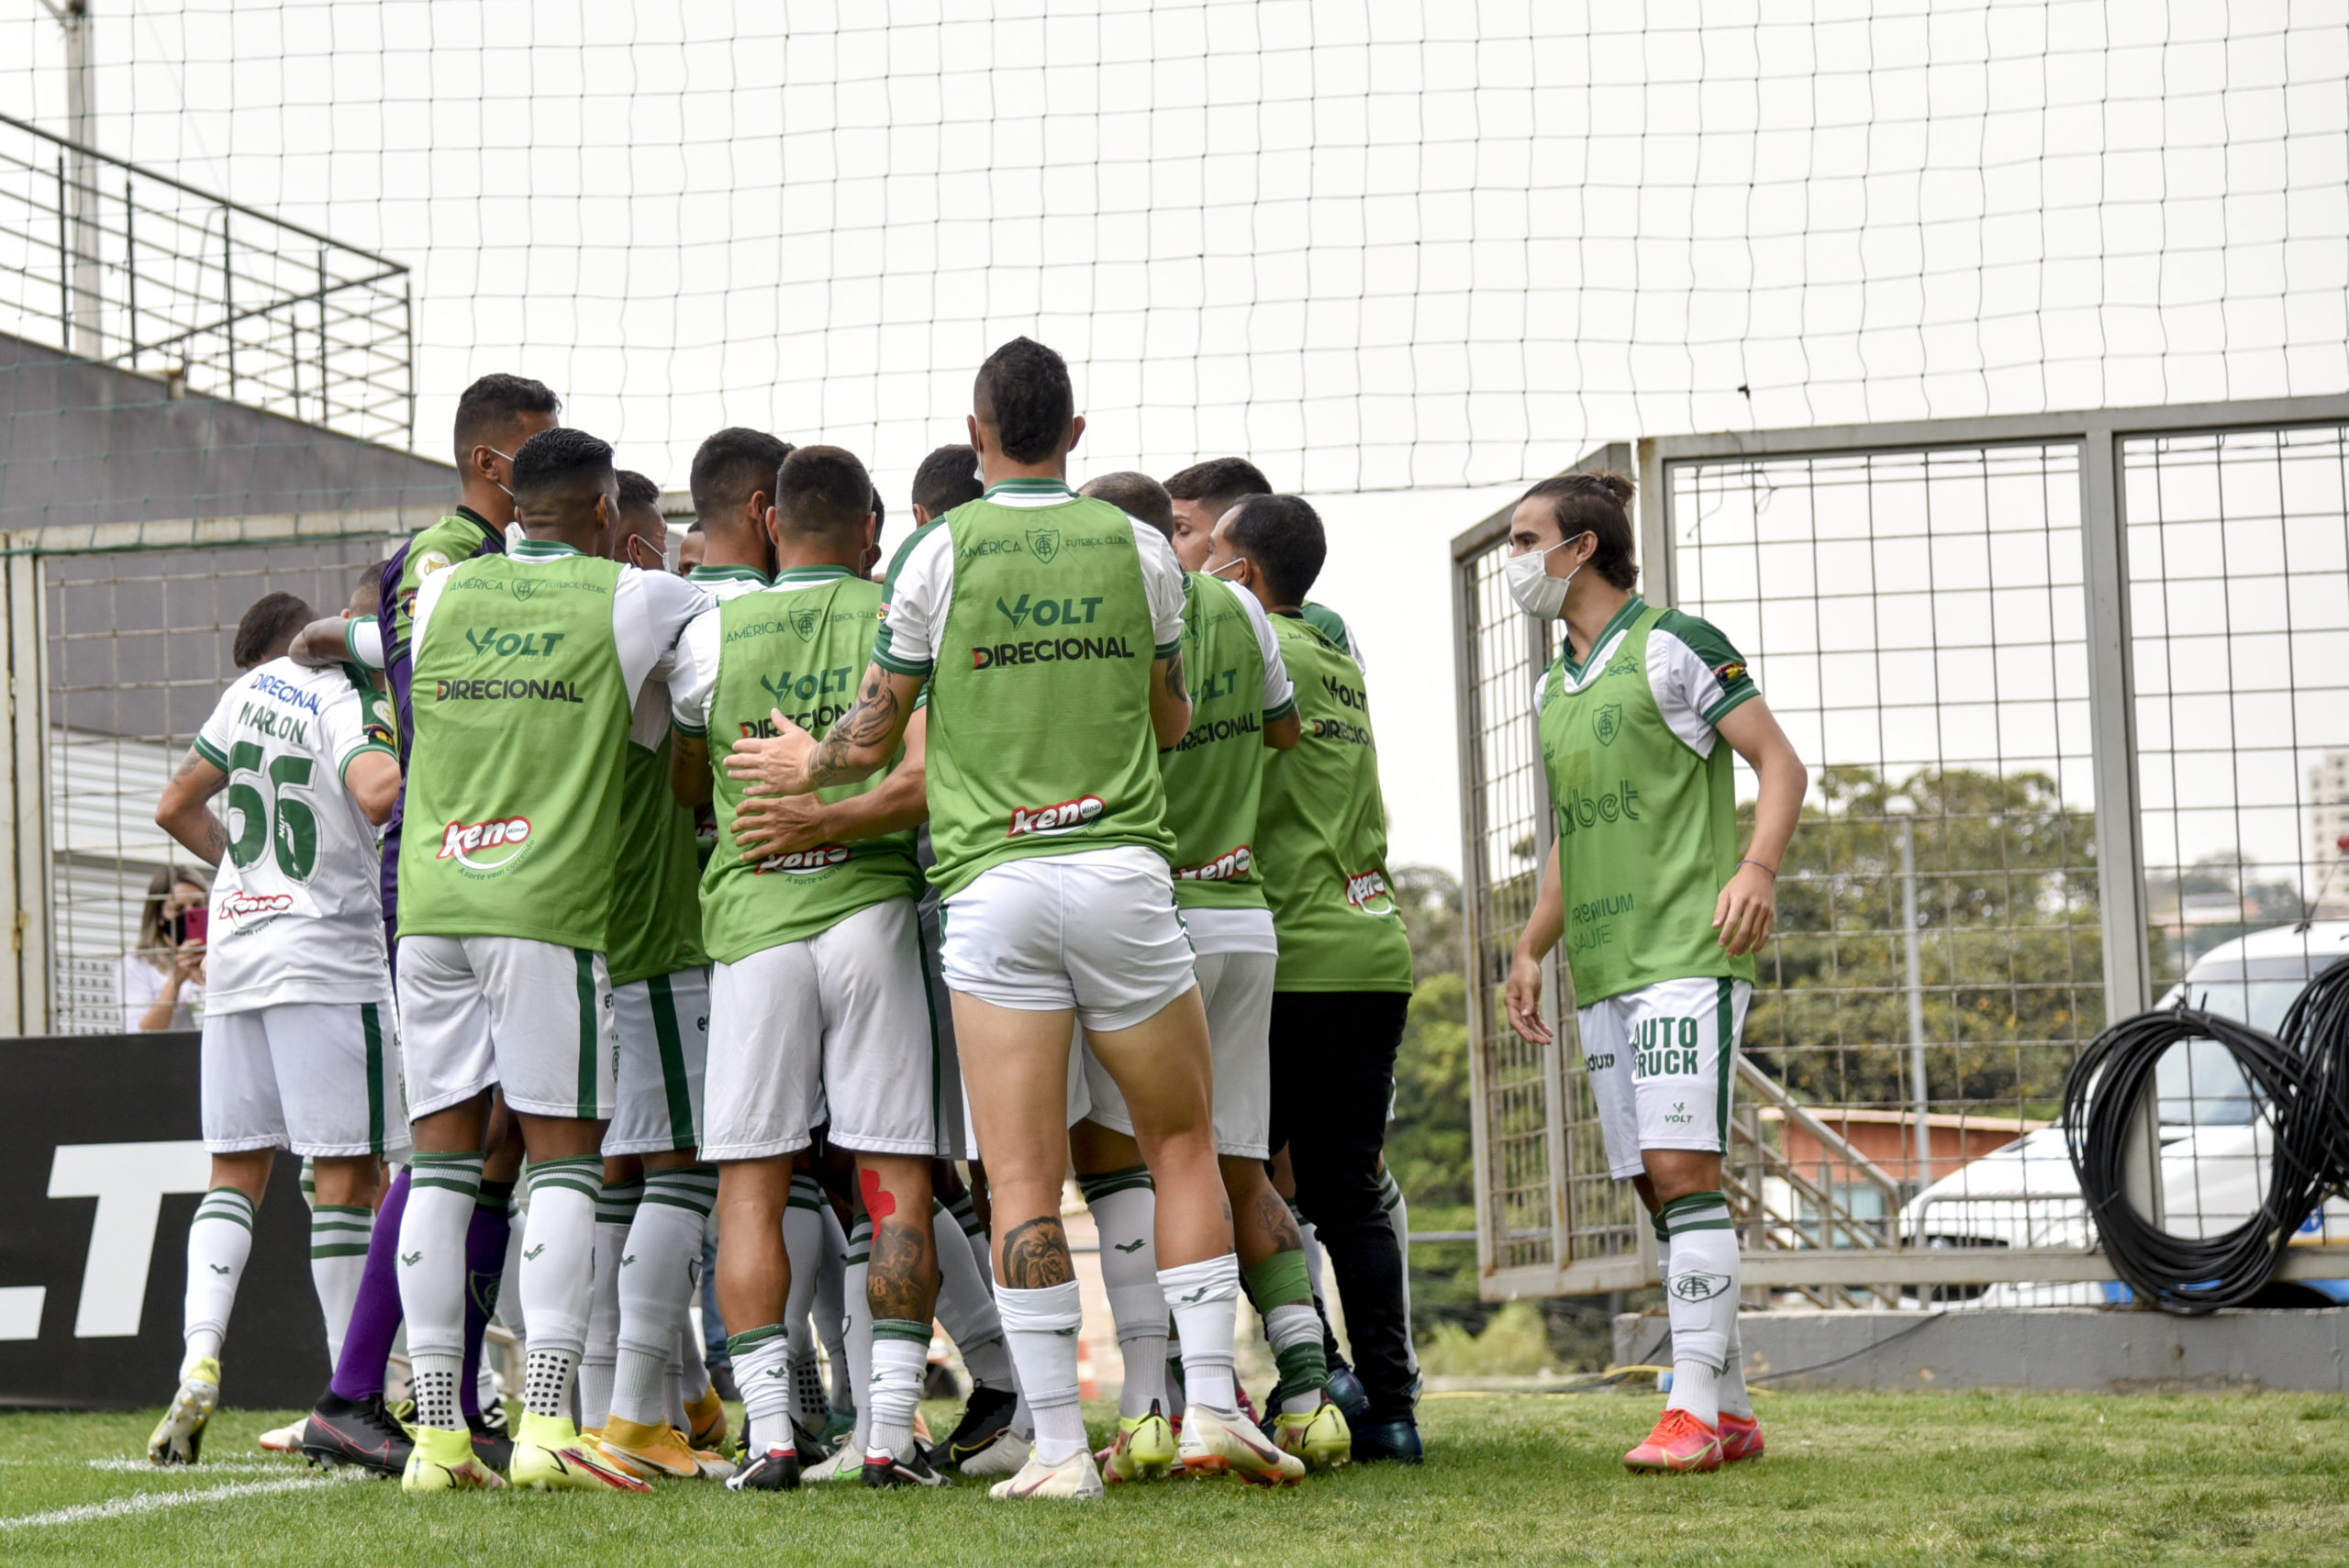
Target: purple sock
x,y
376,1316
485,1239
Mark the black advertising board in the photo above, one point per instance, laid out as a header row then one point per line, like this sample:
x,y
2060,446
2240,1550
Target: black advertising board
x,y
101,1168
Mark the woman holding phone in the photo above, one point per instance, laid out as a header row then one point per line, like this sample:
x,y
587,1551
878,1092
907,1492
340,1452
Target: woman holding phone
x,y
160,982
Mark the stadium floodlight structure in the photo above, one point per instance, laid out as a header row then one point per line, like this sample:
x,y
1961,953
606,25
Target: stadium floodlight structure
x,y
2098,655
127,267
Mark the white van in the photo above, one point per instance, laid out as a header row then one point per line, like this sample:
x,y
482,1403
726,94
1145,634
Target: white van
x,y
2214,1140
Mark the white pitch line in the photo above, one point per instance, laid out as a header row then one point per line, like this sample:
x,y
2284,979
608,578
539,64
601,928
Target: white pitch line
x,y
147,1502
209,1467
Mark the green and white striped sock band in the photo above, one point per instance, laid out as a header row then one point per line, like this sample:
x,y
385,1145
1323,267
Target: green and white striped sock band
x,y
616,1206
805,1193
695,1187
1389,1193
860,1243
1295,1213
226,1203
450,1172
1698,1211
581,1174
1097,1187
309,1182
340,1230
966,1215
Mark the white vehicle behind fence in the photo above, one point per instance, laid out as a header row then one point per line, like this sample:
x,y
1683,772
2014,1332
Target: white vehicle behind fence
x,y
2215,1138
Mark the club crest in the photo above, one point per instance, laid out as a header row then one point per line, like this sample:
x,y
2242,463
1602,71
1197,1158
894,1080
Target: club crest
x,y
1044,543
1608,723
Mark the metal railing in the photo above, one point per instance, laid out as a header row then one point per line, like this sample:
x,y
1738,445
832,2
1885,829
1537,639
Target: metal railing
x,y
2016,652
104,259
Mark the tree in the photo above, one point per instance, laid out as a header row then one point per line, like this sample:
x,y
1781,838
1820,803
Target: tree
x,y
2009,949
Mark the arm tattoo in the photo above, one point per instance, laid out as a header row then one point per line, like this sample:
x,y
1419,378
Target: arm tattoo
x,y
1175,687
903,1280
873,717
215,839
1035,1255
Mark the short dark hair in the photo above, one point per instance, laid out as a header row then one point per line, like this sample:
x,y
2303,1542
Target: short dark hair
x,y
488,408
368,597
948,478
822,490
1282,534
1137,495
1023,395
267,627
1218,484
733,464
1596,502
561,457
636,490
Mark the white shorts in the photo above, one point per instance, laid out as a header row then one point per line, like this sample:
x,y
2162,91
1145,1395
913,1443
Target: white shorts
x,y
529,1017
1237,989
1096,931
954,1140
1662,1061
663,1025
836,1027
319,1078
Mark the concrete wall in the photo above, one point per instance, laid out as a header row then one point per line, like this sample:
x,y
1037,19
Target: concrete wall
x,y
2046,1348
85,443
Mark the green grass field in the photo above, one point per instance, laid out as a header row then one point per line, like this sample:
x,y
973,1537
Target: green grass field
x,y
1850,1478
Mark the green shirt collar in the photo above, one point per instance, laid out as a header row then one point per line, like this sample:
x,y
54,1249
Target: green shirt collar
x,y
541,549
800,576
727,574
1621,619
1057,488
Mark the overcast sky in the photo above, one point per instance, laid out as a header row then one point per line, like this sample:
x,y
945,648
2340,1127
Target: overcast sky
x,y
1433,249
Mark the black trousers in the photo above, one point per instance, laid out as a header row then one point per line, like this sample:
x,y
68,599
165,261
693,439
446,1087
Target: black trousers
x,y
1333,1073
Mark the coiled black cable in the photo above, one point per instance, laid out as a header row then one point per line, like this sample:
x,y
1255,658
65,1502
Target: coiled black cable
x,y
2102,1092
2317,1027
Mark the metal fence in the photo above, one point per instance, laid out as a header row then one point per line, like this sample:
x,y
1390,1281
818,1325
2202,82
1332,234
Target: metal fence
x,y
134,268
119,646
2071,691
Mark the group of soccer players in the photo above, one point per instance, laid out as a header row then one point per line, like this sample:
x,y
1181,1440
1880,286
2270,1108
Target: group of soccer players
x,y
1059,844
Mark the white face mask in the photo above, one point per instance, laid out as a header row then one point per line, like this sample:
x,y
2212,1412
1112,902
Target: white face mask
x,y
1529,583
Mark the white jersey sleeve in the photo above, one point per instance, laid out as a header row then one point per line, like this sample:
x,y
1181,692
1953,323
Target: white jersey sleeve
x,y
650,612
218,733
1696,677
913,612
362,641
695,680
1280,693
1161,581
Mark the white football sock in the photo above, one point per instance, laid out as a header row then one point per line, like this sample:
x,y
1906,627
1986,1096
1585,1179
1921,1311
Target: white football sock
x,y
1041,1326
967,1308
803,1247
339,1235
1203,1297
219,1239
557,1274
1734,1399
1125,1211
900,1359
856,1337
764,1374
599,1359
832,1312
1312,1250
510,1291
693,1372
1399,1218
1700,1296
1287,1327
658,1272
442,1191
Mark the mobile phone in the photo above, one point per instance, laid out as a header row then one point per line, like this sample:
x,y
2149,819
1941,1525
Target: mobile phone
x,y
190,925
